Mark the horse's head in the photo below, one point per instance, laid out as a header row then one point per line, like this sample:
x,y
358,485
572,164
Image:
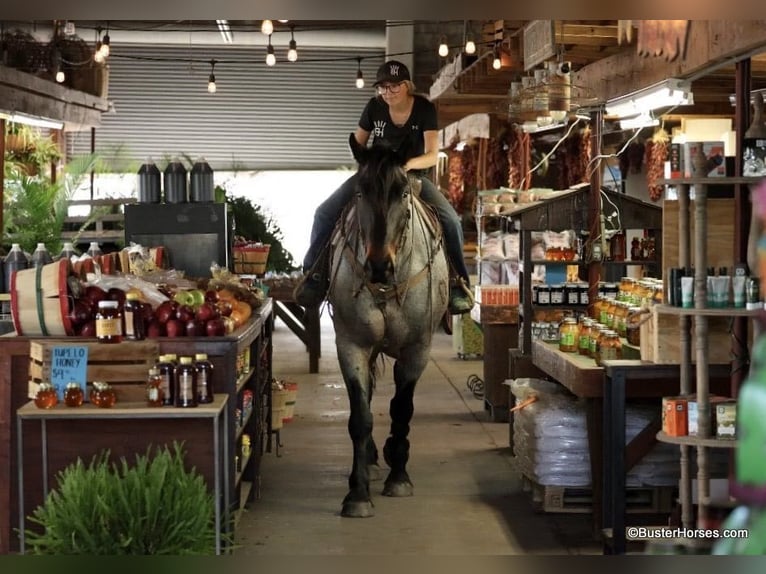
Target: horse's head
x,y
383,206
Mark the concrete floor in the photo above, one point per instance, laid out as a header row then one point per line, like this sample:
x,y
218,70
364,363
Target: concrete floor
x,y
468,497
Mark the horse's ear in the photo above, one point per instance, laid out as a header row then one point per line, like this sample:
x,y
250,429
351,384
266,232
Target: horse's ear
x,y
357,149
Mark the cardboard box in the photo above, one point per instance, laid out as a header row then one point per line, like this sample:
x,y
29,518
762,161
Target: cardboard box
x,y
726,419
713,151
758,149
674,416
693,413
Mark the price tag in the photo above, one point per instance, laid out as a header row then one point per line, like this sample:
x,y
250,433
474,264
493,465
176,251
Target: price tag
x,y
69,364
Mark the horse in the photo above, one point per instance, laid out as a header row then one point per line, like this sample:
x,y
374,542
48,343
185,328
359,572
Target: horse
x,y
388,291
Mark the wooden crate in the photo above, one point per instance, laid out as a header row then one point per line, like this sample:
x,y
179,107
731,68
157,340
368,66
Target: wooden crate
x,y
579,500
124,365
661,341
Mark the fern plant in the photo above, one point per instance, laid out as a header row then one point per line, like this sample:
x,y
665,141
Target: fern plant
x,y
154,506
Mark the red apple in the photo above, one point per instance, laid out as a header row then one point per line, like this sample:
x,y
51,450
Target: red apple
x,y
224,308
116,294
206,311
211,296
155,329
215,328
195,328
184,313
175,328
88,329
147,313
164,312
95,293
80,313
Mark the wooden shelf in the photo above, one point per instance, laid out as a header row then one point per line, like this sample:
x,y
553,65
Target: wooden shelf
x,y
241,429
242,380
630,262
709,180
697,441
708,312
553,262
243,465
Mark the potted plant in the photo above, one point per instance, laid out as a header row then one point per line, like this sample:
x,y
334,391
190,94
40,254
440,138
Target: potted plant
x,y
153,506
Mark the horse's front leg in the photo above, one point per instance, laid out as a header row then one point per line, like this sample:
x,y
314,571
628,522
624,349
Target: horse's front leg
x,y
354,365
396,451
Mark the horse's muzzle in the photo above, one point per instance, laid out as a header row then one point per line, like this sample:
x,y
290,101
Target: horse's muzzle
x,y
381,271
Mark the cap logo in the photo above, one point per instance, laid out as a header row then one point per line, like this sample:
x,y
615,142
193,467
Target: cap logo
x,y
394,70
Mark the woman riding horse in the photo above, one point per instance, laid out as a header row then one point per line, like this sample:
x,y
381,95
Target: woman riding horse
x,y
388,290
403,119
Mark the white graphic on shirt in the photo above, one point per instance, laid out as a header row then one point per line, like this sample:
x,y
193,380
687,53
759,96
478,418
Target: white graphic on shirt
x,y
393,70
380,126
415,127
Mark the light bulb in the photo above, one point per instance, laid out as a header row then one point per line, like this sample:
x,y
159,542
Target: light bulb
x,y
271,59
443,50
105,46
98,56
359,80
267,27
470,47
292,53
211,87
60,77
497,63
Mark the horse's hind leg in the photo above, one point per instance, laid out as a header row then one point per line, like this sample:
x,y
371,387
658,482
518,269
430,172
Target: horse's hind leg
x,y
396,451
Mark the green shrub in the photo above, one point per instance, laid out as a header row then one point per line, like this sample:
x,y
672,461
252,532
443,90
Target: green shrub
x,y
155,506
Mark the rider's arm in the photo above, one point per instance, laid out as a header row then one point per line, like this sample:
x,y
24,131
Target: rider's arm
x,y
431,155
362,135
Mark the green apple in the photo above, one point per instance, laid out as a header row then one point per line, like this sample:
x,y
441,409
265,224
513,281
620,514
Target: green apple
x,y
198,297
184,298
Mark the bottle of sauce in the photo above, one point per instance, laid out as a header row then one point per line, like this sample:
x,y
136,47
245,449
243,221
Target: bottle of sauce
x,y
41,256
204,378
186,383
168,374
133,318
16,260
109,322
154,393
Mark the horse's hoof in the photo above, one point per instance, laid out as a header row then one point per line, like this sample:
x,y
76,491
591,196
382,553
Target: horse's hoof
x,y
357,509
374,472
398,489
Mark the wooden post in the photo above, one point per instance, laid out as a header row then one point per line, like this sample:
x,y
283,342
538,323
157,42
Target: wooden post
x,y
2,172
594,268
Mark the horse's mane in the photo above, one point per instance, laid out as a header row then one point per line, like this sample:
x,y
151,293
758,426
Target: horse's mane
x,y
381,174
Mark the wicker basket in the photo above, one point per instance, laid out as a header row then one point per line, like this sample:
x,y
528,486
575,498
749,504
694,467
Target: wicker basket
x,y
251,260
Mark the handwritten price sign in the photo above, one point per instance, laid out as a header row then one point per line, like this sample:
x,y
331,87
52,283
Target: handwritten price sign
x,y
69,364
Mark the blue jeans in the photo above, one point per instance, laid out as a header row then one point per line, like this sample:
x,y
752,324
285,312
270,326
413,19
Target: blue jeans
x,y
329,211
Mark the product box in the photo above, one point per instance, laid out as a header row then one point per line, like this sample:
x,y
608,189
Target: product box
x,y
676,161
674,416
693,413
715,160
726,419
754,156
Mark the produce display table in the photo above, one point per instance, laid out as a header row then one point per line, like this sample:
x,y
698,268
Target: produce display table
x,y
304,322
124,417
605,393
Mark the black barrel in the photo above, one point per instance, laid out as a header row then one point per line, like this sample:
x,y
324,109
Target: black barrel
x,y
175,183
149,183
201,188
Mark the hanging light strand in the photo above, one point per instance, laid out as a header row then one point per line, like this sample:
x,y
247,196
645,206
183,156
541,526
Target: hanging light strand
x,y
211,85
443,48
267,27
292,52
98,54
105,43
271,58
359,74
497,63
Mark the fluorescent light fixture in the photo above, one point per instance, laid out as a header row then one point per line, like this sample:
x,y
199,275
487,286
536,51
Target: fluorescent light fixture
x,y
671,92
225,29
32,120
638,122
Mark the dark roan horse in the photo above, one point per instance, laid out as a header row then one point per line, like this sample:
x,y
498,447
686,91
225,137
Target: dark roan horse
x,y
388,291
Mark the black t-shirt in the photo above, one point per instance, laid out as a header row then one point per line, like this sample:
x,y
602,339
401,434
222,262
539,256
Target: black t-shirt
x,y
376,120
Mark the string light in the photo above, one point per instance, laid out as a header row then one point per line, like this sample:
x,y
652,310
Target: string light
x,y
105,43
211,87
359,74
267,27
58,73
443,48
292,52
497,63
271,59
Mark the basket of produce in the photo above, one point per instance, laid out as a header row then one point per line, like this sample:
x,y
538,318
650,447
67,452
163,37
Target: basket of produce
x,y
251,258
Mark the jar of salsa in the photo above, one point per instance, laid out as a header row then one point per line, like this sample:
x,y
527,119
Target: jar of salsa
x,y
568,335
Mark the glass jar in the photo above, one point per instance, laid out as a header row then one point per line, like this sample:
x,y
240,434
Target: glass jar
x,y
633,325
596,332
583,342
204,378
610,290
73,395
620,319
46,396
133,317
102,395
610,310
582,291
571,294
186,383
544,295
568,335
154,388
557,294
108,322
167,370
609,347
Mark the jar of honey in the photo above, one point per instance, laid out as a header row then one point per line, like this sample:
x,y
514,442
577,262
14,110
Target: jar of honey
x,y
596,332
568,335
73,395
103,395
583,339
620,319
46,396
609,347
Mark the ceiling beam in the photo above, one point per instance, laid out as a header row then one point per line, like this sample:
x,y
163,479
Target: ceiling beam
x,y
710,43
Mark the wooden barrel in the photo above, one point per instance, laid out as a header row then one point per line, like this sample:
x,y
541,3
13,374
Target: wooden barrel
x,y
39,304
